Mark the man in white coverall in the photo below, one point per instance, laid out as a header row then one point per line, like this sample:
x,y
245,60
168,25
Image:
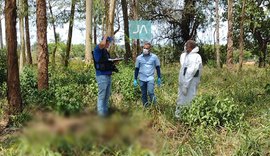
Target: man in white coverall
x,y
189,75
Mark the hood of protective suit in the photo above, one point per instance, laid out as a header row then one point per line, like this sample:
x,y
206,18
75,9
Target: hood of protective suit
x,y
195,50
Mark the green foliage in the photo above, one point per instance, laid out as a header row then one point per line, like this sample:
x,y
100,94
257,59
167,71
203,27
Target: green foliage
x,y
123,83
19,120
3,65
209,110
251,145
3,90
28,81
68,99
267,88
208,54
78,50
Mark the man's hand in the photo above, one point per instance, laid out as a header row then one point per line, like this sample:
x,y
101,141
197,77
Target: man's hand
x,y
135,83
184,91
159,82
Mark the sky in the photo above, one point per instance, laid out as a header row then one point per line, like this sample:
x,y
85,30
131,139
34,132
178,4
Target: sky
x,y
206,37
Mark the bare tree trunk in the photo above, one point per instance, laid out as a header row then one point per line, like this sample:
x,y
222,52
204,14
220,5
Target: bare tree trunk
x,y
110,23
1,35
22,38
110,29
13,81
70,29
106,17
95,31
27,35
134,16
128,53
217,35
43,57
241,40
88,37
229,61
54,33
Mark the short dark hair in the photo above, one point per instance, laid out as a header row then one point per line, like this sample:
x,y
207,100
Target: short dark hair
x,y
148,43
191,43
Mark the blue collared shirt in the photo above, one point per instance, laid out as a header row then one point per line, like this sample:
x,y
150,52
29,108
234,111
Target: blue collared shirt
x,y
147,65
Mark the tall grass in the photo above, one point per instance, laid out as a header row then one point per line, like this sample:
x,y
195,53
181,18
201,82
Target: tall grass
x,y
134,130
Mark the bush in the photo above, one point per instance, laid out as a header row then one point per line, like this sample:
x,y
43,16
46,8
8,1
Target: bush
x,y
28,81
123,83
208,110
68,99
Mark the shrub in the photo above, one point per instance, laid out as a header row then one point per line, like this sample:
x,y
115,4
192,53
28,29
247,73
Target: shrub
x,y
68,99
208,110
123,83
28,81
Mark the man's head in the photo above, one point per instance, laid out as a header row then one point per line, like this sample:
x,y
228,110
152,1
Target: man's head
x,y
108,41
190,45
146,48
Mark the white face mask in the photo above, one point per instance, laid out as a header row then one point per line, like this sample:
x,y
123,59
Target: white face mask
x,y
145,51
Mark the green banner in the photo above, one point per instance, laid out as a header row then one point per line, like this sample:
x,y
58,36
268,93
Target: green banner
x,y
140,30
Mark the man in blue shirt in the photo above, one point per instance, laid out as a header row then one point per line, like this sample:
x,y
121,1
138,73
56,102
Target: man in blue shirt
x,y
145,67
104,69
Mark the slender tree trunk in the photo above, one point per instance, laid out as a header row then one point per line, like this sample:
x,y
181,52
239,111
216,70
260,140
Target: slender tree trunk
x,y
27,35
54,33
110,29
42,46
110,23
95,31
262,57
134,16
217,35
13,81
1,35
128,53
106,17
229,61
70,29
88,37
241,40
22,38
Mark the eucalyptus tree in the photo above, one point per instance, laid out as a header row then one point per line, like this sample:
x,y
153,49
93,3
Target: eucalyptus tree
x,y
43,56
98,14
128,53
27,33
52,20
1,29
22,35
241,37
229,61
88,36
217,34
134,15
13,81
70,30
256,27
110,19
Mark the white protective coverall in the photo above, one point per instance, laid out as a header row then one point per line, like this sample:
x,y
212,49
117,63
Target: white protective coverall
x,y
189,77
